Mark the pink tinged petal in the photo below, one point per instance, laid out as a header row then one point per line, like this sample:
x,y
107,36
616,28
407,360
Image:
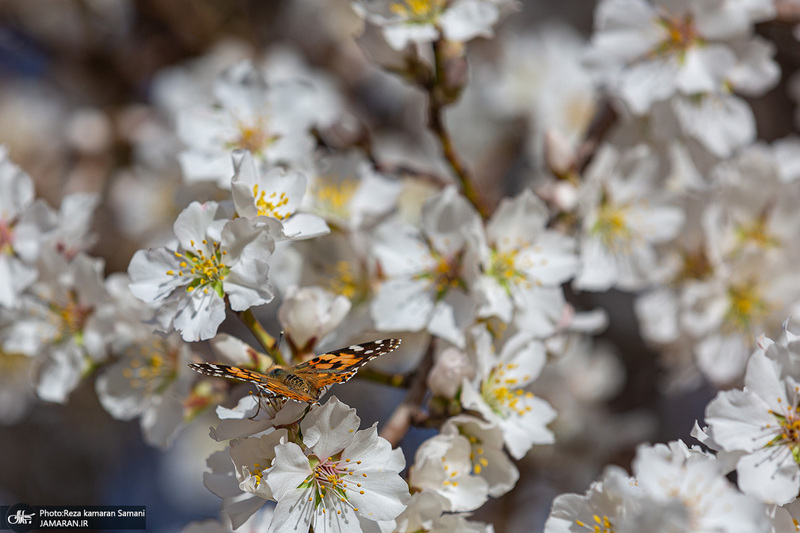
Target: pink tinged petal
x,y
191,226
199,315
328,429
468,19
148,272
770,474
738,421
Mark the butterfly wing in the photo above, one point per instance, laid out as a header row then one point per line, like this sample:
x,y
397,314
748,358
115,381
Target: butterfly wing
x,y
340,365
225,371
268,385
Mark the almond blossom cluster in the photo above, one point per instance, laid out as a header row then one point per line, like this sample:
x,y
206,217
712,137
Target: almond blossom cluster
x,y
485,192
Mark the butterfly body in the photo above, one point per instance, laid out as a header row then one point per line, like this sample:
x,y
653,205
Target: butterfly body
x,y
306,381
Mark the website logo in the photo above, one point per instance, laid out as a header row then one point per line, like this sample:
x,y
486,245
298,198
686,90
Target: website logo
x,y
22,517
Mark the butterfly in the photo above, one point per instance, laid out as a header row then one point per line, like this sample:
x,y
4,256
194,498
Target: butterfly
x,y
306,381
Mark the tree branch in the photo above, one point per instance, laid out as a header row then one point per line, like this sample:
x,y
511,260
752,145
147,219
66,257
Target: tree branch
x,y
409,409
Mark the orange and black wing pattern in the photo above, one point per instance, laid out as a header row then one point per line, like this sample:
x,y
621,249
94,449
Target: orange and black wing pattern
x,y
340,365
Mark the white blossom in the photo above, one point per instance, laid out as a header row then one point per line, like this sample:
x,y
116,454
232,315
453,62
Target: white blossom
x,y
215,259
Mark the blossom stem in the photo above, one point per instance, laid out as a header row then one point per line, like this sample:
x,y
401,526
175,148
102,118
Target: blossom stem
x,y
438,98
409,410
267,341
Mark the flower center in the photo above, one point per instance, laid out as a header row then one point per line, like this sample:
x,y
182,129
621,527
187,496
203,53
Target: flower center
x,y
503,394
757,234
504,269
253,137
445,274
334,199
345,281
273,205
680,35
151,366
70,318
601,525
612,227
419,11
204,271
330,480
746,307
787,432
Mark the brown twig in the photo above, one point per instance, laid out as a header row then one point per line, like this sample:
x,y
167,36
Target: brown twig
x,y
605,118
440,96
409,409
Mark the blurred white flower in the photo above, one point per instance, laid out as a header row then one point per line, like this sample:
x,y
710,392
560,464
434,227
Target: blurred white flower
x,y
428,269
422,21
523,266
651,52
271,122
149,377
65,319
625,216
349,193
17,254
